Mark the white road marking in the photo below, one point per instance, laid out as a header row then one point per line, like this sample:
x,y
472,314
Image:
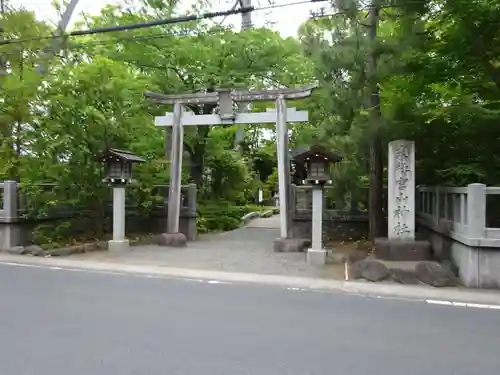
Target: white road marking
x,y
477,305
463,304
148,276
215,282
22,265
302,289
434,302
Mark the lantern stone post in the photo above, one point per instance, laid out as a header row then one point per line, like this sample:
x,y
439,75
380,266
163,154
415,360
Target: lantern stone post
x,y
316,160
118,174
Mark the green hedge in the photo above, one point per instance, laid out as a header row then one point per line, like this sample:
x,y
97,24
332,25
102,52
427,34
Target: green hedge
x,y
221,216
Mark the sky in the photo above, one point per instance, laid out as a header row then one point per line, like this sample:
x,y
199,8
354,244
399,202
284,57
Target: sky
x,y
286,19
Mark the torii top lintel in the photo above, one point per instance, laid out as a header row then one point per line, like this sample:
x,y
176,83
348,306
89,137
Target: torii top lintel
x,y
236,96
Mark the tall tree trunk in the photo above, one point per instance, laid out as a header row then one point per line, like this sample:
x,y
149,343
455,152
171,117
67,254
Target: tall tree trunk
x,y
376,215
197,164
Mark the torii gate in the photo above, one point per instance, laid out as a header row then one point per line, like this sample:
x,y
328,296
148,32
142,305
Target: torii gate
x,y
226,116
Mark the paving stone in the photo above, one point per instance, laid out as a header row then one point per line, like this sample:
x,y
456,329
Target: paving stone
x,y
246,249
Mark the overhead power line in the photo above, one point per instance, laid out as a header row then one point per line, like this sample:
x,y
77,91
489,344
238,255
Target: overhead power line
x,y
147,24
134,26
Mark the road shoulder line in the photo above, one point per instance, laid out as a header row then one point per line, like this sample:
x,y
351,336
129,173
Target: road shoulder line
x,y
455,296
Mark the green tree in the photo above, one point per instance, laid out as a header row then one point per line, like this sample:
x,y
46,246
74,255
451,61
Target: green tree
x,y
80,120
200,57
19,84
351,52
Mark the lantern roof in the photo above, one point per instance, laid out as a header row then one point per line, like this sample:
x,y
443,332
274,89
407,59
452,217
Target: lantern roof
x,y
302,155
129,156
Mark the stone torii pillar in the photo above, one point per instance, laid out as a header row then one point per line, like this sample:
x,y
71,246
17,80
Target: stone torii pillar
x,y
226,116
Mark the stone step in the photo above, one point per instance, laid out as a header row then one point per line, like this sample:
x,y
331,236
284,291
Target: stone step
x,y
403,250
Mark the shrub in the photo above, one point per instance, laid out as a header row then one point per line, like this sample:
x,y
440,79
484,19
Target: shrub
x,y
221,216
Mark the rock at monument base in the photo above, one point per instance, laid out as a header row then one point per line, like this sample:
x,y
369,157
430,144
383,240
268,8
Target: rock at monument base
x,y
89,246
17,250
452,266
401,250
291,245
435,274
403,277
61,252
171,240
35,250
368,269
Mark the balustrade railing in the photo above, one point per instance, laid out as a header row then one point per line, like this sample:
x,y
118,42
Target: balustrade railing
x,y
460,212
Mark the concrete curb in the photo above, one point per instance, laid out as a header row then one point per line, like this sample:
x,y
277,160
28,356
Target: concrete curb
x,y
354,287
245,219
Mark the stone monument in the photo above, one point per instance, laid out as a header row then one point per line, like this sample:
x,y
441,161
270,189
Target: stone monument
x,y
400,243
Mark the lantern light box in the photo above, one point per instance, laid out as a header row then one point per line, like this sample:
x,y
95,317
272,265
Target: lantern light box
x,y
317,161
118,166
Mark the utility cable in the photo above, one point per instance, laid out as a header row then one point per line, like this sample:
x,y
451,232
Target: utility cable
x,y
184,33
134,26
147,24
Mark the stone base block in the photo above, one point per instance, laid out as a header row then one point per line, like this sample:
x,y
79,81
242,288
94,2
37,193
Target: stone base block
x,y
402,250
118,245
172,240
316,257
291,245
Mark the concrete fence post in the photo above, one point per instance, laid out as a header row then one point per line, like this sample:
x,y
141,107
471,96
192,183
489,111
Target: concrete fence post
x,y
10,192
191,198
476,210
293,201
436,210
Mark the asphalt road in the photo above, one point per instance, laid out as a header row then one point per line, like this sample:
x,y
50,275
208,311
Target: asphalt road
x,y
82,323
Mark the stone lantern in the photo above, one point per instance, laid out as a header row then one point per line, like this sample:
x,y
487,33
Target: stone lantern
x,y
317,161
118,173
118,166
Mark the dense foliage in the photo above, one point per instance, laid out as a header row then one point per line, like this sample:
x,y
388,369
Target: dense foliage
x,y
425,70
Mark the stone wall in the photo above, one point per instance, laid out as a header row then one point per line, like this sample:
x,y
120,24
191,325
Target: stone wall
x,y
340,223
334,228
